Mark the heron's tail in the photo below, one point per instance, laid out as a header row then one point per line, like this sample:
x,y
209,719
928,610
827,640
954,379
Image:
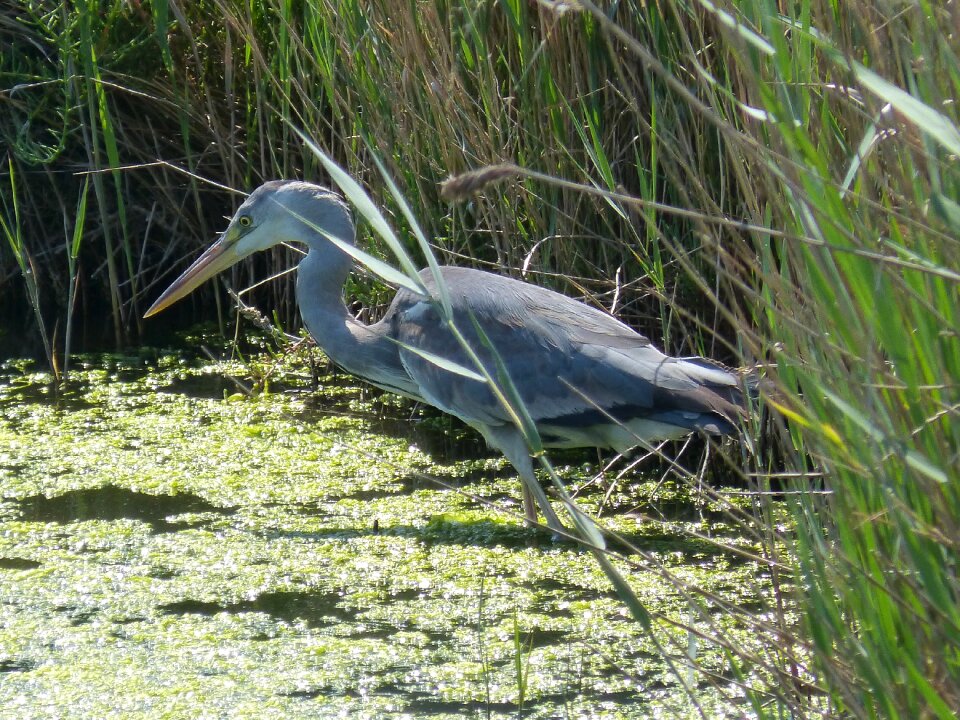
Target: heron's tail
x,y
756,383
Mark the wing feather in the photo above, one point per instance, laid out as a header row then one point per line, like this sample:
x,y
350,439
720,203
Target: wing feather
x,y
573,365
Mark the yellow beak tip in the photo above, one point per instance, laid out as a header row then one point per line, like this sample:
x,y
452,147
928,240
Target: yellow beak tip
x,y
155,308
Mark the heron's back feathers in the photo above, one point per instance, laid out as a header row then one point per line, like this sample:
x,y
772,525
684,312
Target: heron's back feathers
x,y
584,377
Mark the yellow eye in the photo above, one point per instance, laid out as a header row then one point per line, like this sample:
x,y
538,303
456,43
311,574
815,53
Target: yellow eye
x,y
245,221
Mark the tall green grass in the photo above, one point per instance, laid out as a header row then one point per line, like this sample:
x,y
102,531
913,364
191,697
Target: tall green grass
x,y
764,188
437,89
12,229
862,299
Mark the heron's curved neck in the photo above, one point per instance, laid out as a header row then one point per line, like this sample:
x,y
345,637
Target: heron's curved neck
x,y
361,349
320,278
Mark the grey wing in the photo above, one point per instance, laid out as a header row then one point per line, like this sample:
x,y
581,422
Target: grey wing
x,y
574,366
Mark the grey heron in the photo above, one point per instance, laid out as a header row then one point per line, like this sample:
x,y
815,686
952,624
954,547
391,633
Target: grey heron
x,y
585,378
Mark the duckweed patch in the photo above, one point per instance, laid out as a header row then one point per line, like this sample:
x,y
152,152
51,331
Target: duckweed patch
x,y
171,549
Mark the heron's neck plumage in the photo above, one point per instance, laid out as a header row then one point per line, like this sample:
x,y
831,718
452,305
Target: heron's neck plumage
x,y
364,350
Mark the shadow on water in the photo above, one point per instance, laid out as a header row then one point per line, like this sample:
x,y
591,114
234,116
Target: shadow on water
x,y
439,529
424,704
314,609
215,386
203,387
112,503
10,666
408,485
454,529
18,563
69,397
385,414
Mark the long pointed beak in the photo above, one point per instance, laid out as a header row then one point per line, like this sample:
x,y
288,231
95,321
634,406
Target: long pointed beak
x,y
218,257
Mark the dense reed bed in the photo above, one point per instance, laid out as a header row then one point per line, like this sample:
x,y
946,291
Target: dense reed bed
x,y
733,181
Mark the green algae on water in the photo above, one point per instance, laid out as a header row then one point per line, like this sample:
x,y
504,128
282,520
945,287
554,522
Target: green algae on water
x,y
171,548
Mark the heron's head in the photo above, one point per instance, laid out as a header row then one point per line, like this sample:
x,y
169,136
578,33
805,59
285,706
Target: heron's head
x,y
276,212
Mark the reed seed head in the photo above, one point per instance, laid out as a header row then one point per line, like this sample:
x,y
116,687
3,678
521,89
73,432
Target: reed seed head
x,y
460,187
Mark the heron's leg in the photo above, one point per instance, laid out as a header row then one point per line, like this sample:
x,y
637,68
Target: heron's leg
x,y
512,445
529,505
534,495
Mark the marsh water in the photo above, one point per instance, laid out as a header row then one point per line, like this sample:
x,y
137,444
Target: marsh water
x,y
171,546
